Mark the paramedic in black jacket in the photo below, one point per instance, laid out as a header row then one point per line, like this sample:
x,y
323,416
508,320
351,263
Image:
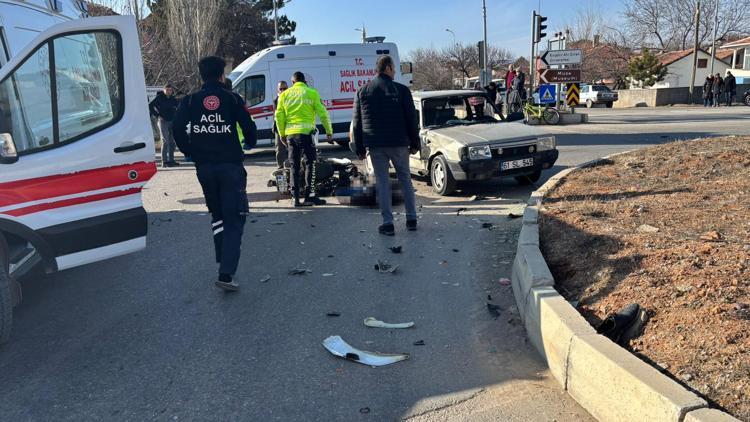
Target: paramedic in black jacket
x,y
385,125
205,128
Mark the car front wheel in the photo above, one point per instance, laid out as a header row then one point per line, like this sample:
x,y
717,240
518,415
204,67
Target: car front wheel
x,y
441,176
589,103
747,100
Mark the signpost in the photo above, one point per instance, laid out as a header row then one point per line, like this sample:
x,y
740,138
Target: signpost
x,y
547,94
573,94
561,57
551,76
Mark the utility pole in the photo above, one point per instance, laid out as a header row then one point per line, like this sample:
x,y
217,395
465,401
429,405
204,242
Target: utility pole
x,y
363,30
275,22
532,59
455,46
695,49
716,28
487,74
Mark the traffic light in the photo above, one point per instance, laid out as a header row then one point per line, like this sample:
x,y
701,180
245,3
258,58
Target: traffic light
x,y
539,33
480,47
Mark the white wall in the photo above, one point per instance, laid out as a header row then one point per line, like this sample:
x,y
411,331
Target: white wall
x,y
680,72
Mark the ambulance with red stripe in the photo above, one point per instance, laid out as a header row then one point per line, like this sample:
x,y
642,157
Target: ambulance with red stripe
x,y
336,71
76,146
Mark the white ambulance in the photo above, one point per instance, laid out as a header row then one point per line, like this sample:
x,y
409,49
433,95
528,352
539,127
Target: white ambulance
x,y
337,71
75,144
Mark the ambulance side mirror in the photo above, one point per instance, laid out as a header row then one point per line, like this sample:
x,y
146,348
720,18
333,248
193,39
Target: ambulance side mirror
x,y
8,154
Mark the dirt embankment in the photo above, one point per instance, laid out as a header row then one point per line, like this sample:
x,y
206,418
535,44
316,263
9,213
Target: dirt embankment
x,y
666,227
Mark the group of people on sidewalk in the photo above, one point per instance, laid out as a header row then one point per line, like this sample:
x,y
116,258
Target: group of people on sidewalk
x,y
206,125
515,91
718,90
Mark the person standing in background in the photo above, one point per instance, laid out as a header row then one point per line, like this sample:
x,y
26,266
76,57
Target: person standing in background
x,y
509,77
163,107
730,88
707,91
282,152
717,88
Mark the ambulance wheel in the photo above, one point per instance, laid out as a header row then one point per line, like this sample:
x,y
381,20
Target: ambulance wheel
x,y
6,297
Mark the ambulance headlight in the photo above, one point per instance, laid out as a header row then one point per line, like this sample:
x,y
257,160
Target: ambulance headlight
x,y
8,152
480,153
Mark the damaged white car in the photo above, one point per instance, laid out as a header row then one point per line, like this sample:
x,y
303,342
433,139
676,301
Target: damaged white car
x,y
464,139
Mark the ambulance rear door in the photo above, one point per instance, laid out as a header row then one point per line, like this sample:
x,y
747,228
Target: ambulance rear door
x,y
73,109
349,73
317,75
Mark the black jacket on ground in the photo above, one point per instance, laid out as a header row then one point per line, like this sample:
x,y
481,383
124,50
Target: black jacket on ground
x,y
205,127
163,106
384,116
730,84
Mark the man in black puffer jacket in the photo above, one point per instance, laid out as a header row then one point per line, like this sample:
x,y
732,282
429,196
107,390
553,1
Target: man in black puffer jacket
x,y
385,125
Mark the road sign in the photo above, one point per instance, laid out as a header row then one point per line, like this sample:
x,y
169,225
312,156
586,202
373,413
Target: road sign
x,y
559,57
551,76
573,96
547,94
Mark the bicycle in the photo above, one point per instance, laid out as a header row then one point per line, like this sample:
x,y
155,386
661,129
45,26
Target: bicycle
x,y
549,115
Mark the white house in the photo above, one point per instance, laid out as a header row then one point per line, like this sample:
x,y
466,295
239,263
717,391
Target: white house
x,y
680,66
739,52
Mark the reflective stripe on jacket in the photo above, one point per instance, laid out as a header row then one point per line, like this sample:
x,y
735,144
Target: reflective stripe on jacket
x,y
296,111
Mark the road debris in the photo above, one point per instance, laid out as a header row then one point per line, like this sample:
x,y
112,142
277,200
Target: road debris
x,y
333,314
266,278
299,271
395,249
487,225
419,343
338,347
460,210
374,323
327,274
645,228
478,198
504,281
512,215
494,310
364,410
455,250
278,223
385,267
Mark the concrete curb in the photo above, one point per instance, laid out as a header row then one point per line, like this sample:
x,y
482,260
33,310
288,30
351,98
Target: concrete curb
x,y
608,381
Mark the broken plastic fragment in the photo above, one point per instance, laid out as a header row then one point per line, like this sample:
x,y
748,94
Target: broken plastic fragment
x,y
504,281
374,323
265,279
494,310
511,215
486,225
299,271
395,249
385,267
333,314
419,343
327,274
460,210
338,347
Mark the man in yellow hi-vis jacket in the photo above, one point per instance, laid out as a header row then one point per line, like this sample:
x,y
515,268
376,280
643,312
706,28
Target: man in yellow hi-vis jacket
x,y
295,120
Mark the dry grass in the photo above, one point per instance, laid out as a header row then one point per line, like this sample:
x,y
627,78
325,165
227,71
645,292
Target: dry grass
x,y
693,274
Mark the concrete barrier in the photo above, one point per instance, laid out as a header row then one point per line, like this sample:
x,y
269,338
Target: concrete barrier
x,y
608,381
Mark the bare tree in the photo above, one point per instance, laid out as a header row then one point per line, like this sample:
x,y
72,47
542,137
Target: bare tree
x,y
587,23
431,71
463,58
194,31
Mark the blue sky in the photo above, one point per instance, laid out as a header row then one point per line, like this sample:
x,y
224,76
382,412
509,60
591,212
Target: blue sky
x,y
422,23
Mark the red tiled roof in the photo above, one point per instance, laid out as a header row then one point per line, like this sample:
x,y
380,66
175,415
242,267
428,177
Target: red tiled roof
x,y
672,56
739,43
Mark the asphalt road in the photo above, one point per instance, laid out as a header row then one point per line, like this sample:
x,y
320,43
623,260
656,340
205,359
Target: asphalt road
x,y
148,337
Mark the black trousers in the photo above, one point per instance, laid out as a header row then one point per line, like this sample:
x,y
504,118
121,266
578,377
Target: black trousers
x,y
298,145
224,186
281,151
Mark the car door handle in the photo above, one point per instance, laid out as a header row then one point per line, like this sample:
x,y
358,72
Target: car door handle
x,y
128,148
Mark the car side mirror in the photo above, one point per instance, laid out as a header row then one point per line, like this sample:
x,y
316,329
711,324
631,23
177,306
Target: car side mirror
x,y
8,154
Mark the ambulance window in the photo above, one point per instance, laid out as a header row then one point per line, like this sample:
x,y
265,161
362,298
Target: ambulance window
x,y
255,90
25,106
86,79
87,72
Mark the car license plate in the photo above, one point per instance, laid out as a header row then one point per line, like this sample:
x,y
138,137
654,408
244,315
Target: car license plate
x,y
516,164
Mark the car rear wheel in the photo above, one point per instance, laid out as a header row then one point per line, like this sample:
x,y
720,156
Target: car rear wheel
x,y
529,178
747,100
442,179
609,104
6,297
589,103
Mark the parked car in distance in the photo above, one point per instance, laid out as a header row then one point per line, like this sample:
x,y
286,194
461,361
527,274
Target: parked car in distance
x,y
597,94
462,141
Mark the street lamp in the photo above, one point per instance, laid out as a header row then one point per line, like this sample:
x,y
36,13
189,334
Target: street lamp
x,y
364,33
454,35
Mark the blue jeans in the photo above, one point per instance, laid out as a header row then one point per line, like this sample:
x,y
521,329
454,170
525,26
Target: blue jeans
x,y
399,156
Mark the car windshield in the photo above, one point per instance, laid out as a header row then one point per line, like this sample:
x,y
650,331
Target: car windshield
x,y
458,110
600,88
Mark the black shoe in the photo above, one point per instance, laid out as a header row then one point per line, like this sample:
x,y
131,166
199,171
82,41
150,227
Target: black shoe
x,y
314,200
615,325
231,286
411,225
296,203
387,229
